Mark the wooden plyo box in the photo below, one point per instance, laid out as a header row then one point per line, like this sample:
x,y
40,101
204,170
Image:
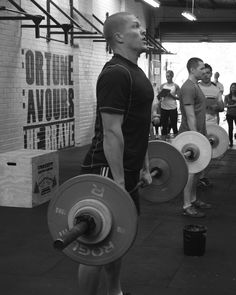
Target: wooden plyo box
x,y
28,178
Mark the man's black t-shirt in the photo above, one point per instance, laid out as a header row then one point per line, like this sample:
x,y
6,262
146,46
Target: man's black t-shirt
x,y
123,88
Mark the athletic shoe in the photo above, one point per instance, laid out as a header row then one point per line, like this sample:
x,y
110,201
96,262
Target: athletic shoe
x,y
201,205
205,182
191,211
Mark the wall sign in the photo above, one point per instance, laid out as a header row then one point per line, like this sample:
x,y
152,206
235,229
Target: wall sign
x,y
48,100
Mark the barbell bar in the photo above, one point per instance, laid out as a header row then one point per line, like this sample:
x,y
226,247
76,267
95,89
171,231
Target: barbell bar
x,y
155,172
84,225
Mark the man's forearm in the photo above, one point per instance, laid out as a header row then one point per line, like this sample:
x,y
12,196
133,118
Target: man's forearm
x,y
192,124
146,162
114,149
191,118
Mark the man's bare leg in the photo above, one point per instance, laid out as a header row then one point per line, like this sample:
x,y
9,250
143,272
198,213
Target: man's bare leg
x,y
89,278
112,271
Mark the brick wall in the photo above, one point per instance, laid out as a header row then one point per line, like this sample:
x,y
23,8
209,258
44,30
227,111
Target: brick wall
x,y
47,89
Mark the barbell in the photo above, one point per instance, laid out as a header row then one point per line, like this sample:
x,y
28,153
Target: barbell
x,y
189,152
195,153
94,221
203,149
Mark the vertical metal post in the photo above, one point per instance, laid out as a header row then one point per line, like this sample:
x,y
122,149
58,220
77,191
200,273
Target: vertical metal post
x,y
108,48
72,16
48,21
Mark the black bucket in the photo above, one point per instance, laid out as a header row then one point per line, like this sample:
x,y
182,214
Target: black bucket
x,y
194,238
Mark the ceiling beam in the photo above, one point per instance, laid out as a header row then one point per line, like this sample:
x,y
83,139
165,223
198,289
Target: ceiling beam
x,y
197,32
198,26
207,4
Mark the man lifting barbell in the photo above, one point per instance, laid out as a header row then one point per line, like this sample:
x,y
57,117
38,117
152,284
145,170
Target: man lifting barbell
x,y
94,220
193,110
124,99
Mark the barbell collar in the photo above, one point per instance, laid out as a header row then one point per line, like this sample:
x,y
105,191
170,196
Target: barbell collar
x,y
189,154
84,225
211,140
156,172
214,141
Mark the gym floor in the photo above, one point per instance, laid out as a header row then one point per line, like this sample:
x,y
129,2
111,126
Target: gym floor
x,y
155,264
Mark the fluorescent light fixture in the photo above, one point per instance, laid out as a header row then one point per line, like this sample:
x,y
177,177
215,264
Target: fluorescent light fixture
x,y
153,3
190,16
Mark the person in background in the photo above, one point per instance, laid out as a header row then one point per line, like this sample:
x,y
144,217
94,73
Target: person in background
x,y
169,113
156,119
193,110
218,84
214,105
214,101
120,142
230,104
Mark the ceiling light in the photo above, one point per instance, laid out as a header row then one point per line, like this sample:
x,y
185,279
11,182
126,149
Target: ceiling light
x,y
190,15
153,3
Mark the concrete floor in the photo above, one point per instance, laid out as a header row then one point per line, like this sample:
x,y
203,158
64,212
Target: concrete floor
x,y
155,264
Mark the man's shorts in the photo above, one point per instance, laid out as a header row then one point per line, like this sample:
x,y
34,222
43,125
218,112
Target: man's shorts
x,y
131,180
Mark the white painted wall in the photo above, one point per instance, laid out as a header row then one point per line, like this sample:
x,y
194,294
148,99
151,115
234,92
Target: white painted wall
x,y
30,116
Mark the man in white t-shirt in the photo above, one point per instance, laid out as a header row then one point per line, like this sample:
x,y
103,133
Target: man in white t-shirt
x,y
214,101
214,105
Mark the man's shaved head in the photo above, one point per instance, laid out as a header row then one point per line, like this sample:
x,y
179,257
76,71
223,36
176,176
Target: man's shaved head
x,y
115,23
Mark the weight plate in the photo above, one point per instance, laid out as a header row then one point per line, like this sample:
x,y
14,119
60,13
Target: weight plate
x,y
199,144
94,189
173,176
218,138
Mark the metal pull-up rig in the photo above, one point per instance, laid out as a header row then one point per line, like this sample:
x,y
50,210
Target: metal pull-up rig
x,y
71,30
